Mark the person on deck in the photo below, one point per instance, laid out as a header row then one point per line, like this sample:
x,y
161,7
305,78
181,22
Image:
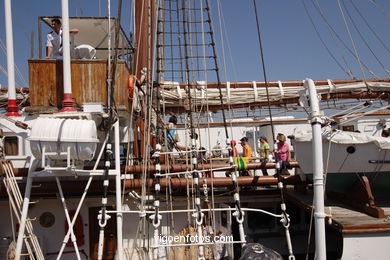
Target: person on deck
x,y
283,154
264,153
233,144
246,155
246,148
54,41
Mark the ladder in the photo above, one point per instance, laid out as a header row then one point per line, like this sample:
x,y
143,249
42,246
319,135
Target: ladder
x,y
34,250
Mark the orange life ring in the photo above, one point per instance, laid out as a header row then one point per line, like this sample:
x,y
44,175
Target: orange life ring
x,y
131,86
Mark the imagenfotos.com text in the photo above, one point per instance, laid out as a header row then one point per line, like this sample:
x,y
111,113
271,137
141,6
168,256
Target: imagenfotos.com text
x,y
193,239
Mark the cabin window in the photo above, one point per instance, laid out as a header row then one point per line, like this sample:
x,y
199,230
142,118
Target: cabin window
x,y
11,145
349,128
258,220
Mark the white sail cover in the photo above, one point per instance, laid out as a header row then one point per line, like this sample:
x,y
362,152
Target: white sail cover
x,y
172,94
344,137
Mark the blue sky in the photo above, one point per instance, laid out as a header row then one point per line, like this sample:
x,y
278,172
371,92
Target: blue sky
x,y
292,49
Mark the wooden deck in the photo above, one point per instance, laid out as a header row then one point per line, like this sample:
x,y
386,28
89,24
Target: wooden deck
x,y
342,217
88,82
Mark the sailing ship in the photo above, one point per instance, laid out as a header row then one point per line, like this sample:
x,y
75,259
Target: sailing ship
x,y
88,173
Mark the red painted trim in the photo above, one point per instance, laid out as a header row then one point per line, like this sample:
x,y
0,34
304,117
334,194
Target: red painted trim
x,y
12,108
67,103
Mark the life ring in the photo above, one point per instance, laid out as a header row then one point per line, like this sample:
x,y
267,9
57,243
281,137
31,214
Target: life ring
x,y
131,86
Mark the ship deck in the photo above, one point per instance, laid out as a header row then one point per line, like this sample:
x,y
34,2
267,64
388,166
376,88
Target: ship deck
x,y
342,217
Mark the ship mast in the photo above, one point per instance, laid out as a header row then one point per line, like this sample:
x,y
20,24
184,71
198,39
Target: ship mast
x,y
12,108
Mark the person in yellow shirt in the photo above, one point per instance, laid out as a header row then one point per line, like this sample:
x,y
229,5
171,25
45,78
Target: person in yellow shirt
x,y
246,148
246,155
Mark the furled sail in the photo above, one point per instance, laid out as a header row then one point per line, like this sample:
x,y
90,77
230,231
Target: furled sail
x,y
254,93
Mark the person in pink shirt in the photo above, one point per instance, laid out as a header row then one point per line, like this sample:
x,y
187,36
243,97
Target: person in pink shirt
x,y
283,154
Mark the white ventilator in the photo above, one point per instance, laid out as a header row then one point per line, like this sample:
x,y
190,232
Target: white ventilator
x,y
85,52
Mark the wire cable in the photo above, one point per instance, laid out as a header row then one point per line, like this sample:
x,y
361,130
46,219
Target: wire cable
x,y
381,9
333,32
323,42
352,41
364,40
368,25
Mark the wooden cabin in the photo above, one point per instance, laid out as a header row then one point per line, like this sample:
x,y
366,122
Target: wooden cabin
x,y
88,76
89,82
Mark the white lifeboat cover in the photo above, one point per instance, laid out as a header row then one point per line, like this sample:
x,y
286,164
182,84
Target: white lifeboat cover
x,y
345,137
57,135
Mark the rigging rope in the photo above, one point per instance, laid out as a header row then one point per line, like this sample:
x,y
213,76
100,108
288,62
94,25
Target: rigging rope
x,y
198,216
333,32
380,8
208,118
263,69
348,72
353,43
18,73
285,220
113,73
221,22
166,157
368,25
239,214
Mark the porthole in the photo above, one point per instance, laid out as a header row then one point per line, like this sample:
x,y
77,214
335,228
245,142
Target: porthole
x,y
351,149
47,219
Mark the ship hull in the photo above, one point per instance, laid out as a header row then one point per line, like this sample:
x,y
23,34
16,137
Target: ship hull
x,y
345,161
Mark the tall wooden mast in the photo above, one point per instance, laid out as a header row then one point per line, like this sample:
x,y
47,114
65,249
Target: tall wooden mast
x,y
144,35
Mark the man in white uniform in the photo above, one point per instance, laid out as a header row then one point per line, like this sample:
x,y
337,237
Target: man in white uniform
x,y
54,41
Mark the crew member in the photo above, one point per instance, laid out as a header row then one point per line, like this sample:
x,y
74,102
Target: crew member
x,y
54,41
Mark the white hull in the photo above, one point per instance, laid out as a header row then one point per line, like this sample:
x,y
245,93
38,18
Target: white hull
x,y
353,157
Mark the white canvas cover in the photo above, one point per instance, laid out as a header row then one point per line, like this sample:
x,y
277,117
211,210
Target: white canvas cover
x,y
345,137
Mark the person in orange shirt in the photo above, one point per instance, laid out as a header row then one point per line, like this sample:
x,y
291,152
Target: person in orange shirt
x,y
246,148
246,154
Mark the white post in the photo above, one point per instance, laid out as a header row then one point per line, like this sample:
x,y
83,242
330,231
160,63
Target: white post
x,y
67,103
109,57
70,226
118,190
66,238
12,108
318,178
23,219
101,244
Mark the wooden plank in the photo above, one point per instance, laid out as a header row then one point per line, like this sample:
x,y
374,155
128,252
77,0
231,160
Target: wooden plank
x,y
342,217
43,83
88,82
